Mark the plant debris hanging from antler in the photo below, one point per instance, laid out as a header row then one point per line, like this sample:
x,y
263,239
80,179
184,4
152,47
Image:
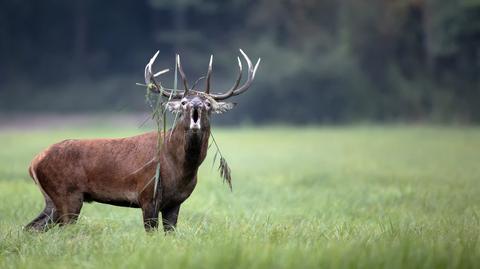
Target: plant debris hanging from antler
x,y
156,100
223,167
157,97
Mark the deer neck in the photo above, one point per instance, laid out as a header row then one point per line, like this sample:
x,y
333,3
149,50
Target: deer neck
x,y
187,149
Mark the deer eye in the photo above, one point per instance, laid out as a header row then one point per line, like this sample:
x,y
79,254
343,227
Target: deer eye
x,y
184,103
208,104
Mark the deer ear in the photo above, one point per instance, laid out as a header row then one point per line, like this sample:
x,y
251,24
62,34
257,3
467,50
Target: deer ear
x,y
174,106
221,107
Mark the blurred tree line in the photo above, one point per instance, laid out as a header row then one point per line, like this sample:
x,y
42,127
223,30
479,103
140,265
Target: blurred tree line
x,y
322,60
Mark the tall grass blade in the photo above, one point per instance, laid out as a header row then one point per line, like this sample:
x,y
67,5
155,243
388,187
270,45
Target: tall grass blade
x,y
214,158
157,180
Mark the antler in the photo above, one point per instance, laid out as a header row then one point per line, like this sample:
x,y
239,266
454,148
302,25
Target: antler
x,y
182,74
209,75
150,79
235,90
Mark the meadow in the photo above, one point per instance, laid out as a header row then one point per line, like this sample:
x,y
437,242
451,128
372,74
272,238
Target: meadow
x,y
312,197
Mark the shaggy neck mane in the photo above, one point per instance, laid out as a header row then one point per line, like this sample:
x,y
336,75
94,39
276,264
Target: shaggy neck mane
x,y
187,149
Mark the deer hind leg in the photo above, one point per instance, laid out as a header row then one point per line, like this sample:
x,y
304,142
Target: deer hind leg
x,y
62,203
49,214
69,207
60,210
46,218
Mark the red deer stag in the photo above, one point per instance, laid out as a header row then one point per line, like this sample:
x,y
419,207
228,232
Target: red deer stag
x,y
119,171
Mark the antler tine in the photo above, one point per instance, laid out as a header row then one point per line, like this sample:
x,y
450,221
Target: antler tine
x,y
182,74
250,76
229,93
239,78
209,74
148,69
150,78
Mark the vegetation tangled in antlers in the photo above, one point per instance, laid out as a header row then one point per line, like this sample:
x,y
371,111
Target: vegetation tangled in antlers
x,y
157,96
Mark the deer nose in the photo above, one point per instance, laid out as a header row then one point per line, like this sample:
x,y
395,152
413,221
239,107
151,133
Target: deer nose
x,y
196,103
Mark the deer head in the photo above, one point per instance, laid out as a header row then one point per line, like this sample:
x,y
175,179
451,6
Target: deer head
x,y
195,106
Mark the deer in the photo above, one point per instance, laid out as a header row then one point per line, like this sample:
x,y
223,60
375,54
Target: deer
x,y
118,171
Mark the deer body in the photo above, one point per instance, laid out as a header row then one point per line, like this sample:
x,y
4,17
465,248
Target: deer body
x,y
121,171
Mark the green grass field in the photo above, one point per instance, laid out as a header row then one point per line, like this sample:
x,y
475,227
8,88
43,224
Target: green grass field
x,y
332,197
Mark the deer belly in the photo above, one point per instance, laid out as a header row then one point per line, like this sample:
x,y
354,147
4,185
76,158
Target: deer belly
x,y
118,198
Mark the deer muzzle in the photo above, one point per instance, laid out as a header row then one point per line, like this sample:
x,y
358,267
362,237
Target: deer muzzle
x,y
195,115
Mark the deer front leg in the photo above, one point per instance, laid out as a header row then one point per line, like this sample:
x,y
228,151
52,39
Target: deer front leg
x,y
150,217
170,216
